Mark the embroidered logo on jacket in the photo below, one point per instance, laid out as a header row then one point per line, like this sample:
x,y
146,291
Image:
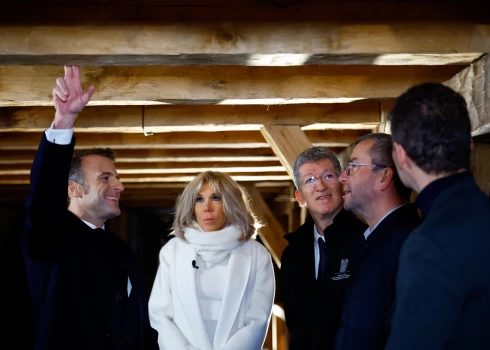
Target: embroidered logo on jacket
x,y
343,273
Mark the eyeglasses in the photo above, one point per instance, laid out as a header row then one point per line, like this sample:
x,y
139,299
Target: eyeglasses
x,y
351,167
326,177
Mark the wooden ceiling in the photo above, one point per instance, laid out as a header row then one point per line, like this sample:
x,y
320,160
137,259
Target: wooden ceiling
x,y
234,85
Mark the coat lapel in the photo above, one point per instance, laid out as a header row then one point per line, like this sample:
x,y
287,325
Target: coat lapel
x,y
186,289
238,274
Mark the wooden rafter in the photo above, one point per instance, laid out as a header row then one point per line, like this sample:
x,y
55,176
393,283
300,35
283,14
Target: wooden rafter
x,y
280,138
181,140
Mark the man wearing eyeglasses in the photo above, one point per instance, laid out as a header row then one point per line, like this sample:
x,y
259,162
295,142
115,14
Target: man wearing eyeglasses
x,y
443,282
319,261
374,191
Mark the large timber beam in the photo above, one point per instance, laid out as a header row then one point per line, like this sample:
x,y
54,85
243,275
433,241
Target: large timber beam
x,y
170,118
233,85
474,84
254,33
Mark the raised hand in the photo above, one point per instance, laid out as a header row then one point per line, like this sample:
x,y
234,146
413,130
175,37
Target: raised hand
x,y
69,98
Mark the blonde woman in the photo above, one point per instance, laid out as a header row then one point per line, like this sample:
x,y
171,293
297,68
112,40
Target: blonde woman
x,y
214,288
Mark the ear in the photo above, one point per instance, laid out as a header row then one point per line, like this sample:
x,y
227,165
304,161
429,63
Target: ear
x,y
401,155
75,189
387,176
299,197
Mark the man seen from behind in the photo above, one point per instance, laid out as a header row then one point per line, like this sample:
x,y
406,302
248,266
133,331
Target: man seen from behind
x,y
443,284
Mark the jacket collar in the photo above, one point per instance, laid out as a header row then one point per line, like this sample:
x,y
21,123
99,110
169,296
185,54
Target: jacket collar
x,y
428,195
344,222
394,219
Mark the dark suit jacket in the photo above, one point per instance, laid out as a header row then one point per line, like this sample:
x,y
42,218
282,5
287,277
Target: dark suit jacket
x,y
368,302
76,275
312,308
443,282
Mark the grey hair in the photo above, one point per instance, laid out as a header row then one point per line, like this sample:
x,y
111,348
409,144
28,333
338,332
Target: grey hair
x,y
313,155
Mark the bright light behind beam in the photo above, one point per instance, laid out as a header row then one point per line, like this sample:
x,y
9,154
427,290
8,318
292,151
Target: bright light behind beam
x,y
284,59
425,59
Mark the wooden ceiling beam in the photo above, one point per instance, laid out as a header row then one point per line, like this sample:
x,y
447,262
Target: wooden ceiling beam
x,y
473,83
180,140
167,155
252,42
233,85
171,118
162,155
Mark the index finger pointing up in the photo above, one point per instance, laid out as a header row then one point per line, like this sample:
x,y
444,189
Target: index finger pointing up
x,y
75,73
68,72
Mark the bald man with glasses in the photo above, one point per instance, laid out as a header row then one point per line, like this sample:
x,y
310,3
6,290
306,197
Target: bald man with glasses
x,y
373,191
319,262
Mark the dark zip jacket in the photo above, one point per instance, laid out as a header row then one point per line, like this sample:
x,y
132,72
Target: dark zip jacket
x,y
313,308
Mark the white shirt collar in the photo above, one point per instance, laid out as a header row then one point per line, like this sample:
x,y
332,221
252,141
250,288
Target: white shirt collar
x,y
92,226
317,235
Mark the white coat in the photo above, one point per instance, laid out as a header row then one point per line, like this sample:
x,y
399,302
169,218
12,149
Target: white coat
x,y
246,307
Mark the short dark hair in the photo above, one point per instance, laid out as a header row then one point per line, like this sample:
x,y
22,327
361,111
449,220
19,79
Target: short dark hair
x,y
313,155
431,122
381,152
76,171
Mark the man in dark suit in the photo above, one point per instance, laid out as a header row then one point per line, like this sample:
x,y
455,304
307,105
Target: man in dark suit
x,y
373,191
85,283
319,262
443,283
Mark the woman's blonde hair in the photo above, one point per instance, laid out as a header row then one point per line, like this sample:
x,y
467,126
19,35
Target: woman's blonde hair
x,y
236,204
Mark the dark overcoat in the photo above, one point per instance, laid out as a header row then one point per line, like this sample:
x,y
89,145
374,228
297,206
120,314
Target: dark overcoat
x,y
77,276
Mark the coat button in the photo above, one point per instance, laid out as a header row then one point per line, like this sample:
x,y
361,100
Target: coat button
x,y
118,298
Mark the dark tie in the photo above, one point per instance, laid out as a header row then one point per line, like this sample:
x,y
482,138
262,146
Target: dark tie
x,y
323,259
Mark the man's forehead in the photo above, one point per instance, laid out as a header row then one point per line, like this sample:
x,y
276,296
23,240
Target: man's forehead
x,y
98,164
321,165
95,159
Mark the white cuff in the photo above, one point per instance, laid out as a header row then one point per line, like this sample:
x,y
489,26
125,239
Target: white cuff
x,y
59,136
